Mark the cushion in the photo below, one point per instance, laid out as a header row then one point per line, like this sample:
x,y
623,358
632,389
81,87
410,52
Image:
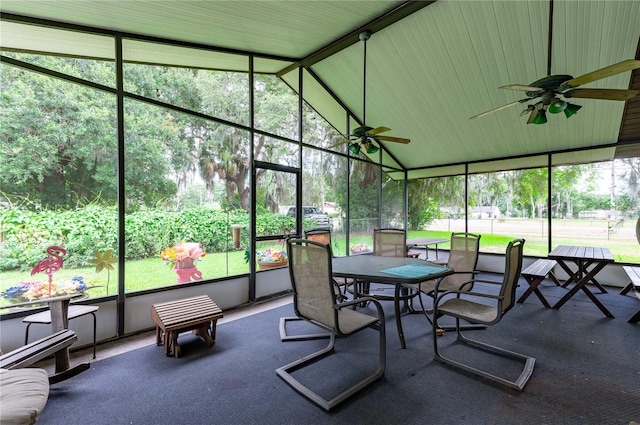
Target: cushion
x,y
23,394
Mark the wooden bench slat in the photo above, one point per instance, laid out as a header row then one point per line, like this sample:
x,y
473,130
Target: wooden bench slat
x,y
634,274
177,306
187,323
184,310
38,350
539,268
188,312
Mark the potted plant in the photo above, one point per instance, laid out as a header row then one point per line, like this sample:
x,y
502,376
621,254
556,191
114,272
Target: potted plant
x,y
271,259
181,258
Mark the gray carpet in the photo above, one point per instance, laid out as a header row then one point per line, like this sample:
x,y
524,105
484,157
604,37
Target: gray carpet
x,y
587,372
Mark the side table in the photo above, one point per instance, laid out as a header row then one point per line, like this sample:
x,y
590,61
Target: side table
x,y
44,318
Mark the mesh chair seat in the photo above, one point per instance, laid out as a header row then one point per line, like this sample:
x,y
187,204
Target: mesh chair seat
x,y
350,320
465,309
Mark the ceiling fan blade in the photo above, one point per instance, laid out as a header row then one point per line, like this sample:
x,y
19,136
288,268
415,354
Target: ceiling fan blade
x,y
521,87
394,139
340,143
499,108
605,72
606,94
378,130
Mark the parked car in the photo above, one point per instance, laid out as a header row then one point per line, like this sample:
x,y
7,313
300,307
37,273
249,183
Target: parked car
x,y
313,213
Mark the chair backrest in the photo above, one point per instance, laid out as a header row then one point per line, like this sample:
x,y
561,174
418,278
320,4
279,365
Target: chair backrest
x,y
512,268
390,242
319,235
310,271
463,257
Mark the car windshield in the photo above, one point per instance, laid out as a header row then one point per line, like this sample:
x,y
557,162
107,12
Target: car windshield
x,y
311,210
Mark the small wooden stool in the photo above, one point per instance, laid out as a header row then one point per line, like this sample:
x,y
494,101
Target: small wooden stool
x,y
198,314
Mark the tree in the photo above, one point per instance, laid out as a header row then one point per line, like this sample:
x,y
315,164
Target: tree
x,y
57,138
532,190
564,181
429,197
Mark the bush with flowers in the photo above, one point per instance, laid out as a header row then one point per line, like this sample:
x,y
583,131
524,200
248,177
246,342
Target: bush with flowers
x,y
268,256
183,254
271,256
31,291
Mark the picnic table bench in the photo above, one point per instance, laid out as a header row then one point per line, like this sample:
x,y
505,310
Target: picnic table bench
x,y
634,286
197,314
538,271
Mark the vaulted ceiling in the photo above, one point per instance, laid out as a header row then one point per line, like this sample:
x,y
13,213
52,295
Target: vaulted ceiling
x,y
430,66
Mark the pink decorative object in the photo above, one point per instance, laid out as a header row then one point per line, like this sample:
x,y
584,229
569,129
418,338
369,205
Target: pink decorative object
x,y
51,264
182,257
187,274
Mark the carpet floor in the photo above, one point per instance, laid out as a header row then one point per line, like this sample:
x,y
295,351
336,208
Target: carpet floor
x,y
587,372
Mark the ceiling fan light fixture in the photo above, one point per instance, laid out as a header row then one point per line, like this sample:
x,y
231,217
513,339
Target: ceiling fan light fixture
x,y
571,109
540,118
529,109
370,148
354,148
556,106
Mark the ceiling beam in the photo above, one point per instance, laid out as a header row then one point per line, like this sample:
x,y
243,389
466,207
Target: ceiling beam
x,y
390,17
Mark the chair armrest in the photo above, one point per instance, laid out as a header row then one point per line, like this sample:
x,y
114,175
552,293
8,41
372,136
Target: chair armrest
x,y
471,281
375,302
38,350
469,293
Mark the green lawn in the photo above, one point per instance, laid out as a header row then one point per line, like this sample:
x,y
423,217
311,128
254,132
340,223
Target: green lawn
x,y
140,274
153,273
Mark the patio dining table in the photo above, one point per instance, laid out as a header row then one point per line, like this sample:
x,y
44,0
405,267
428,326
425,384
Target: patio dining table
x,y
390,270
589,261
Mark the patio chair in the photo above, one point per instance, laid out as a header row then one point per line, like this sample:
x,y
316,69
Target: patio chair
x,y
314,300
466,305
463,258
322,236
38,350
388,242
25,390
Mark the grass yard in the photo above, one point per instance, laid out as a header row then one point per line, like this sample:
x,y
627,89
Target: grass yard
x,y
152,272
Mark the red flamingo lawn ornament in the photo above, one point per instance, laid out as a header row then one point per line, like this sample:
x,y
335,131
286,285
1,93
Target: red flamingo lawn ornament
x,y
51,264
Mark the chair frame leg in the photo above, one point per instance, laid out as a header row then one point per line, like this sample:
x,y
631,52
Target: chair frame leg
x,y
305,337
518,384
285,372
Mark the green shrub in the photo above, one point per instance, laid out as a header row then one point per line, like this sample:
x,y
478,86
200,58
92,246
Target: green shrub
x,y
25,234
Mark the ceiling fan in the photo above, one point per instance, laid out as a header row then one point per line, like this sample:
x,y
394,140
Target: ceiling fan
x,y
364,136
551,93
554,90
